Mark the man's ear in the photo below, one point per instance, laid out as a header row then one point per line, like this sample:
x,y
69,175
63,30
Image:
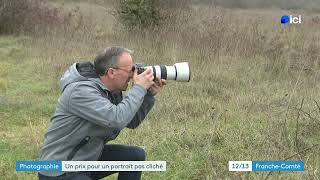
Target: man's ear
x,y
110,73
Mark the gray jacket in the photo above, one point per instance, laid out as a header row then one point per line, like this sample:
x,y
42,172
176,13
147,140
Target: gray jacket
x,y
87,116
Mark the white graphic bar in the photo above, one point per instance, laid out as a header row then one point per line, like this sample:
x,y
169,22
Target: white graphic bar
x,y
113,165
240,165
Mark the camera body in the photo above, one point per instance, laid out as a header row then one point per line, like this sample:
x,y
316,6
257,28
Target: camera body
x,y
179,72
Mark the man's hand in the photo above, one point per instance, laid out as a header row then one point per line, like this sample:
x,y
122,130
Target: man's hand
x,y
157,86
144,79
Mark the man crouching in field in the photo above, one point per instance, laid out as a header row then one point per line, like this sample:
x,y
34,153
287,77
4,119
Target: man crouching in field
x,y
91,111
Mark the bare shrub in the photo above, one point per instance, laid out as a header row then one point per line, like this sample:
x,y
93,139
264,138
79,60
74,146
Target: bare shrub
x,y
27,16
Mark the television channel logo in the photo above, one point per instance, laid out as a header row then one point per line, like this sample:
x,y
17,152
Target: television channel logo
x,y
291,19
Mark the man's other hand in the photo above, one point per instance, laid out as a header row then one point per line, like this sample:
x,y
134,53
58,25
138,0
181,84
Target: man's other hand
x,y
157,86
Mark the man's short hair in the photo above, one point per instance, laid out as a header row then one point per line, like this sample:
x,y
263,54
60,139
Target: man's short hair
x,y
108,58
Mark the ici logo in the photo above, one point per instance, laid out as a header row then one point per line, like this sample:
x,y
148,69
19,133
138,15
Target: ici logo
x,y
291,19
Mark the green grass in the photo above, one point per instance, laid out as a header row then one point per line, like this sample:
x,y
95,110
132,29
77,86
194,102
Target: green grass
x,y
243,102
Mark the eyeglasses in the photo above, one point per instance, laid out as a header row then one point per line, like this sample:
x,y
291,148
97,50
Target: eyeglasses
x,y
125,70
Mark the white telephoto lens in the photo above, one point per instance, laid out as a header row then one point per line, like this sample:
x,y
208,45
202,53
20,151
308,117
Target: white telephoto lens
x,y
183,72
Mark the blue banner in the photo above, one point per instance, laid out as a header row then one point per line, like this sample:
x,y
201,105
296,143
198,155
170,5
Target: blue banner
x,y
38,166
277,166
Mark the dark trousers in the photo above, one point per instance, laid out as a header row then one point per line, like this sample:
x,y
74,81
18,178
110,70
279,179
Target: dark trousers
x,y
111,152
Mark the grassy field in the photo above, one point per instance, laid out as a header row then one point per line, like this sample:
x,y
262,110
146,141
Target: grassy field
x,y
254,92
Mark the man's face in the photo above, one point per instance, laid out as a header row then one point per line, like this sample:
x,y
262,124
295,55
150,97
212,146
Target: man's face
x,y
123,73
